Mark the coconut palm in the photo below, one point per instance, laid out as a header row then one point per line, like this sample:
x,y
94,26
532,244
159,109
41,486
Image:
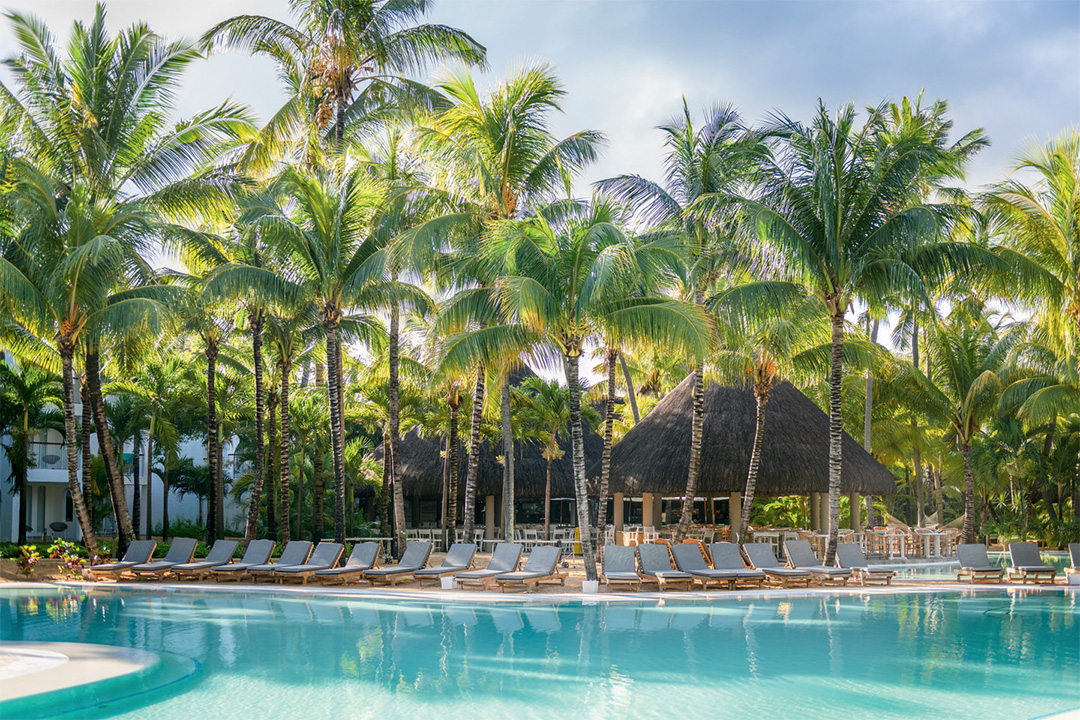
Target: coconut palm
x,y
705,167
495,159
572,275
838,202
343,61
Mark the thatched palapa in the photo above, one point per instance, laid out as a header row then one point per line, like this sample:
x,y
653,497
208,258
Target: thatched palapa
x,y
654,457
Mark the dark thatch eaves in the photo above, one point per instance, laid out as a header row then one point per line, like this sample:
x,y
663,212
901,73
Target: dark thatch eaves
x,y
655,455
422,463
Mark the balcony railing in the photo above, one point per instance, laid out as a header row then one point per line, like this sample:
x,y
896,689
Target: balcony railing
x,y
49,455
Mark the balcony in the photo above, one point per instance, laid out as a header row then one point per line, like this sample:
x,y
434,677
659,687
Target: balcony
x,y
50,463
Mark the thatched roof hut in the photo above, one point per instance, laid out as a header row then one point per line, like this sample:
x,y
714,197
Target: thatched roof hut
x,y
422,463
654,456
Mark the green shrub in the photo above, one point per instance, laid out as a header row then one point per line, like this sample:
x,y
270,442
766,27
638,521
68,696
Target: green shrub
x,y
185,528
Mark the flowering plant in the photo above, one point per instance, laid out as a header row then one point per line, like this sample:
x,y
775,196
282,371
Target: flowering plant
x,y
28,557
70,562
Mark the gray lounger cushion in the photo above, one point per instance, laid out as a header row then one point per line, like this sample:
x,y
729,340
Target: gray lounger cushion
x,y
802,556
257,553
219,554
761,557
620,563
137,553
1025,556
541,563
415,557
656,562
363,556
503,560
726,556
296,552
458,557
181,550
689,559
849,555
325,557
972,556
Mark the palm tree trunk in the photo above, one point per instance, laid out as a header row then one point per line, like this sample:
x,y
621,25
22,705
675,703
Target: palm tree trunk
x,y
215,525
273,528
164,498
452,455
468,521
67,354
22,472
508,462
916,453
384,491
87,458
630,394
394,422
150,478
136,493
255,320
696,430
337,434
969,494
939,496
836,430
445,490
868,409
125,532
577,445
297,533
547,489
285,466
762,394
611,354
318,494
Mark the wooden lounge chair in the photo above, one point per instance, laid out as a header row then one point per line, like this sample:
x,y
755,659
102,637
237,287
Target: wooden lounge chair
x,y
1027,564
688,558
727,556
542,565
325,557
364,557
504,559
220,554
138,552
416,555
459,558
296,552
975,564
620,566
850,556
761,558
801,556
181,550
1074,562
258,553
656,567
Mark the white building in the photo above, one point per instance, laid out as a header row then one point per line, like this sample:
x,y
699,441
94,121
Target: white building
x,y
50,503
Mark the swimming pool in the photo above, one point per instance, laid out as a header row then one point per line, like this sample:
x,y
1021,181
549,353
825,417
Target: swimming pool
x,y
946,570
980,653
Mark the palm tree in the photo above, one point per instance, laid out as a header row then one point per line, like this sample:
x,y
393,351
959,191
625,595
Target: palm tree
x,y
343,61
837,201
704,168
572,275
495,160
24,395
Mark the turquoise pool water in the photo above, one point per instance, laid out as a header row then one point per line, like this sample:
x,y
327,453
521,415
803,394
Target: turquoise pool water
x,y
985,654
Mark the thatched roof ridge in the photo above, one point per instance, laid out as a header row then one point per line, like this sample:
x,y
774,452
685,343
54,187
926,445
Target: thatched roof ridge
x,y
655,455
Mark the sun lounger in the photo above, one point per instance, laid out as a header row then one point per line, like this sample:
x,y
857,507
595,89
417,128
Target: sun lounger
x,y
364,557
181,550
258,553
727,556
1027,564
801,556
325,557
620,566
1074,561
296,552
850,556
138,552
688,558
459,558
220,554
761,557
975,564
416,555
542,565
504,559
656,566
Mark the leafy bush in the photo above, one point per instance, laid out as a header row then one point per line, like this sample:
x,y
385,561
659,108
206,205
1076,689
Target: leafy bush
x,y
28,557
184,528
71,562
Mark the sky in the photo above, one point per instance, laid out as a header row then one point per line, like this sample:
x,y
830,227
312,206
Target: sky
x,y
1010,67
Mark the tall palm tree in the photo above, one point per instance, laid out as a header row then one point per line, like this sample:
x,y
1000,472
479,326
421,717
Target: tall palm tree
x,y
571,275
343,60
495,160
837,201
705,167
